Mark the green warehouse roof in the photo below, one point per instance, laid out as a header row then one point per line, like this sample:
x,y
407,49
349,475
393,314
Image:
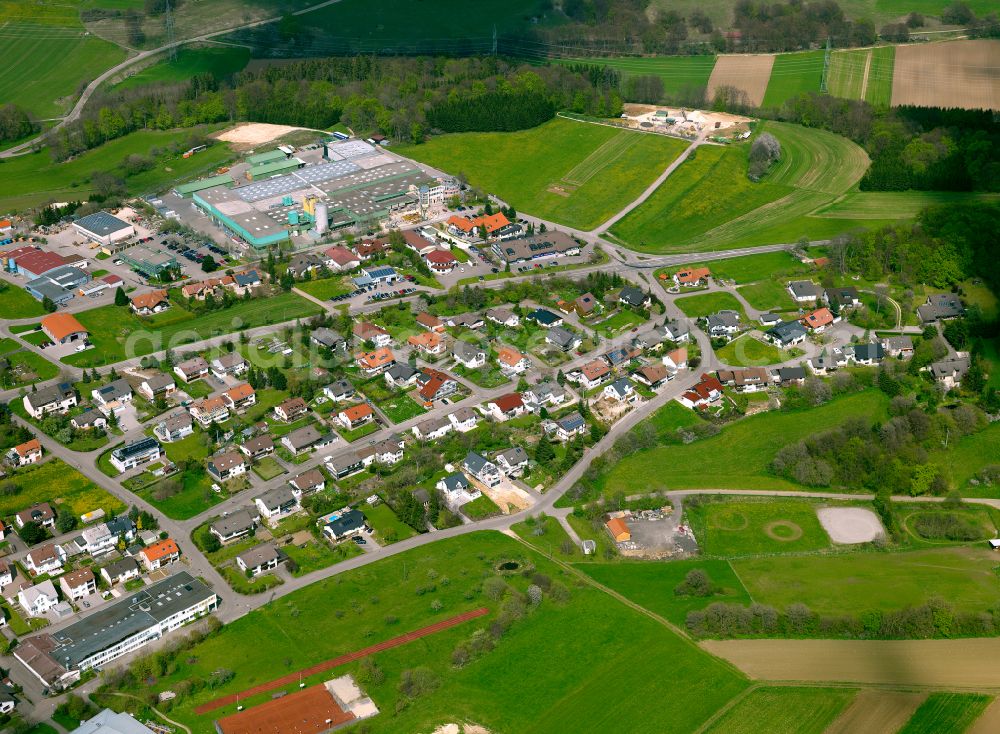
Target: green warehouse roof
x,y
204,183
270,169
268,157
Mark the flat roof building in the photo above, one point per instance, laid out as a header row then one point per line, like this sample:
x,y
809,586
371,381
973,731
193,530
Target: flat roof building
x,y
148,261
103,228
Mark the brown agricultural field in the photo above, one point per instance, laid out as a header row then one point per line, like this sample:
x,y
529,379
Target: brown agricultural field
x,y
751,73
877,712
948,74
964,663
989,722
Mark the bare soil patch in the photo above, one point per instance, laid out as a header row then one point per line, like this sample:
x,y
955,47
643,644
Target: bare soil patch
x,y
751,73
966,663
849,525
989,722
255,133
783,531
948,74
877,712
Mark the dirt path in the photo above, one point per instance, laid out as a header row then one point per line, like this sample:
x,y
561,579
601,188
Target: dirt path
x,y
864,79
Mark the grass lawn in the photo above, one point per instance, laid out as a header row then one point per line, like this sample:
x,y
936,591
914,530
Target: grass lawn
x,y
42,729
863,581
784,710
708,303
388,528
28,367
319,554
401,408
751,526
768,295
63,486
547,535
672,416
619,322
652,584
195,497
190,447
480,508
746,351
112,327
946,713
219,62
16,303
750,268
267,468
793,74
740,455
395,595
8,345
197,389
243,585
679,73
570,172
365,429
967,456
326,288
38,338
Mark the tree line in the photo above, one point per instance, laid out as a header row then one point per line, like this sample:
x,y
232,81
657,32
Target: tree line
x,y
16,123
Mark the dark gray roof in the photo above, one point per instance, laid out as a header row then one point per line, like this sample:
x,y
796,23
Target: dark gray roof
x,y
723,319
474,462
544,317
561,337
259,555
115,390
621,385
402,372
50,394
804,289
513,456
632,296
956,366
120,567
239,521
327,337
792,373
869,351
303,437
465,351
571,422
135,448
786,331
455,481
88,417
276,498
350,520
102,223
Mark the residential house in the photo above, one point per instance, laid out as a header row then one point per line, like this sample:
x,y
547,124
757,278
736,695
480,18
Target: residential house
x,y
258,447
229,364
707,391
375,362
950,372
346,525
618,357
244,282
470,356
563,339
898,346
227,465
594,373
150,302
305,439
259,559
464,419
328,338
89,420
390,451
192,369
174,427
724,324
6,575
428,342
804,291
341,259
677,331
465,321
512,362
940,307
134,453
692,277
504,317
512,461
417,242
496,226
290,409
344,465
38,599
45,559
240,397
368,249
650,340
441,262
621,390
506,407
819,319
58,398
368,332
29,452
158,385
676,359
97,539
652,375
159,554
352,417
339,391
786,334
457,490
42,514
634,297
78,584
432,429
113,395
548,394
434,385
429,322
277,503
401,375
235,525
842,298
828,360
120,571
299,265
308,482
787,376
586,304
769,319
482,469
544,318
747,379
210,410
869,353
570,426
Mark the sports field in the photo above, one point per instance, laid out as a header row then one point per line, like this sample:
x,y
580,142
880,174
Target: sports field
x,y
570,172
784,710
792,75
47,54
678,73
220,62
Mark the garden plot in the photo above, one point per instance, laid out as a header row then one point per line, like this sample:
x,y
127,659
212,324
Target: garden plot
x,y
850,525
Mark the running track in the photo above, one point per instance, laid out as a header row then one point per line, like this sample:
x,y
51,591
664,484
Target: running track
x,y
349,657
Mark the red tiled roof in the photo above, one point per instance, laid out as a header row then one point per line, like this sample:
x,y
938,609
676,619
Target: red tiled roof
x,y
357,412
440,257
507,403
149,300
61,325
160,549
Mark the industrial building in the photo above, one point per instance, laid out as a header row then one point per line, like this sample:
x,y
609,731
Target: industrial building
x,y
149,262
355,185
57,284
103,228
116,629
536,247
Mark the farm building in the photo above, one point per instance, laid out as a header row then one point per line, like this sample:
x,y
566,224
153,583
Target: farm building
x,y
618,529
103,228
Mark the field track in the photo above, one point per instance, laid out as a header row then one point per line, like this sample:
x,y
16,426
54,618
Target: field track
x,y
952,74
608,152
347,658
749,73
877,712
962,663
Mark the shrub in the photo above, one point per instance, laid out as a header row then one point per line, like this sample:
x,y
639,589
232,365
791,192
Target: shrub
x,y
696,583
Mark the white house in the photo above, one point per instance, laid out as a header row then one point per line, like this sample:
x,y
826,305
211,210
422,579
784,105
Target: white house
x,y
470,356
258,559
277,503
38,599
78,584
51,399
46,559
621,390
482,469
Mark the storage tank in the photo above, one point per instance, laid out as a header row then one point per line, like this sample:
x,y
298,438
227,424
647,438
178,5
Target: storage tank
x,y
322,219
293,217
287,201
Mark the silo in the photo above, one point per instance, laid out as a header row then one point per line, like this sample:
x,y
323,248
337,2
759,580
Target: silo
x,y
322,219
